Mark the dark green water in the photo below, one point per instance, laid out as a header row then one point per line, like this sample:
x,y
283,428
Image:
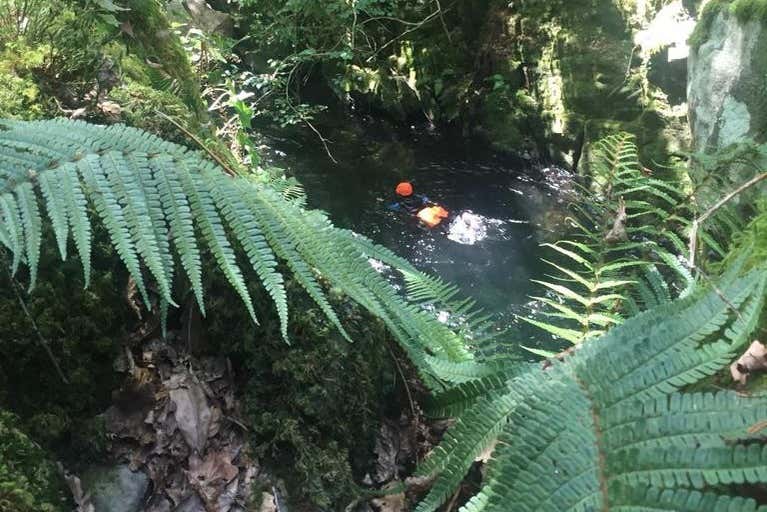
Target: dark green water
x,y
516,204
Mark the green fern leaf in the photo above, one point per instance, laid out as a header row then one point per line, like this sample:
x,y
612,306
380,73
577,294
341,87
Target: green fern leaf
x,y
77,218
607,427
14,231
158,201
56,208
30,217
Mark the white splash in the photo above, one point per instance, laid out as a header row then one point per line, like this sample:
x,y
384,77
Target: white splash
x,y
468,228
378,265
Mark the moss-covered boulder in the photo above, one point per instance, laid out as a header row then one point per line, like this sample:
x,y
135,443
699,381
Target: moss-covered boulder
x,y
727,86
149,33
727,94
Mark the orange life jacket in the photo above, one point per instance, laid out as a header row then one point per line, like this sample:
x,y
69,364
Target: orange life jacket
x,y
432,215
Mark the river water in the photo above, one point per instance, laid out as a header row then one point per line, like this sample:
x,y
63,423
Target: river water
x,y
507,206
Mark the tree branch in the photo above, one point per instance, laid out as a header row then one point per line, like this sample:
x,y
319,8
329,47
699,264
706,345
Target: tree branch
x,y
40,339
700,220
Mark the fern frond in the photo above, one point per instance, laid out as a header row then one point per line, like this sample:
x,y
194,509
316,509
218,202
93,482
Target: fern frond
x,y
30,218
607,427
77,219
13,236
56,208
626,224
658,499
158,202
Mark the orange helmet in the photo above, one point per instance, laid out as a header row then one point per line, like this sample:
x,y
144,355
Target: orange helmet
x,y
404,189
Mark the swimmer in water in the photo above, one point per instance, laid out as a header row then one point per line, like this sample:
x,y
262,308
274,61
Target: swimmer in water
x,y
407,201
428,213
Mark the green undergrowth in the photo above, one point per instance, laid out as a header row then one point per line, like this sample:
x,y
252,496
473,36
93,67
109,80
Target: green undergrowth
x,y
747,10
140,104
21,94
84,329
80,60
754,236
29,480
20,97
313,407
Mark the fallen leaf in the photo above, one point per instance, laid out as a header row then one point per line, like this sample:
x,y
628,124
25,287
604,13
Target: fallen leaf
x,y
227,498
753,360
618,231
112,111
267,503
391,503
215,469
192,414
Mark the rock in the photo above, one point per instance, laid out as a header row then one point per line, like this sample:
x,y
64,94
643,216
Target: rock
x,y
208,19
727,96
116,488
726,84
201,16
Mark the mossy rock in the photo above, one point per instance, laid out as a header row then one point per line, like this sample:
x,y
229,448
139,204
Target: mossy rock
x,y
728,81
506,120
574,63
743,10
153,39
143,106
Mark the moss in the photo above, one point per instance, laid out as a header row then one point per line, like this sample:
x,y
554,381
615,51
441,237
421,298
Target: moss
x,y
84,329
154,40
313,407
20,94
743,10
747,10
705,21
140,104
29,480
20,98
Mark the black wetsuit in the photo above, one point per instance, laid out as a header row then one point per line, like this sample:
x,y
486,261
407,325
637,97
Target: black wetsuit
x,y
411,204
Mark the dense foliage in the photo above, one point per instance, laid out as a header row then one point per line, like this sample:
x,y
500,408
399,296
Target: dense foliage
x,y
606,426
611,423
149,193
28,479
627,224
